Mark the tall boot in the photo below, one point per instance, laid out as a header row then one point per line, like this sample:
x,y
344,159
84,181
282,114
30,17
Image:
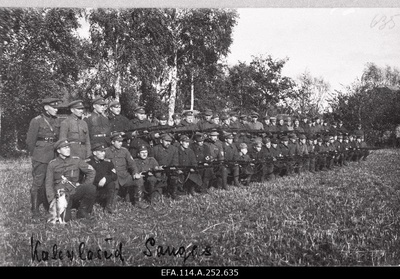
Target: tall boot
x,y
35,205
109,206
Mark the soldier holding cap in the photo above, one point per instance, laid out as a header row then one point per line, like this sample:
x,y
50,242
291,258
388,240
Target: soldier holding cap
x,y
64,172
126,168
98,123
106,176
42,133
76,130
167,155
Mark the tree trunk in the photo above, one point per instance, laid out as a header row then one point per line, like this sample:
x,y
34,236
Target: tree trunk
x,y
174,85
191,93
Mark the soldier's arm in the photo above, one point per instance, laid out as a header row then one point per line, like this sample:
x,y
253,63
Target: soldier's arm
x,y
111,174
88,146
32,135
175,158
49,182
64,129
132,166
88,170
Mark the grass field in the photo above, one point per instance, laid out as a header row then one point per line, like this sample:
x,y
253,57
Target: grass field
x,y
345,217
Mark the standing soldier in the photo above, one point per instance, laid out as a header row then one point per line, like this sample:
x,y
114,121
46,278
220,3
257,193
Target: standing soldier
x,y
311,153
129,178
177,120
139,138
64,172
42,133
256,153
118,122
303,151
226,121
76,131
167,156
287,151
254,124
206,123
231,154
320,150
105,178
98,123
276,154
246,170
297,128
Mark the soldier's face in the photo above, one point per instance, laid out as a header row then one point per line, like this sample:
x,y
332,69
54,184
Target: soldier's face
x,y
64,151
189,119
177,121
207,117
116,110
303,141
99,108
185,144
216,120
254,119
51,110
233,118
77,112
244,151
297,123
266,121
281,122
274,145
214,138
227,121
117,144
165,143
141,116
200,143
257,148
163,122
99,154
143,154
268,144
230,141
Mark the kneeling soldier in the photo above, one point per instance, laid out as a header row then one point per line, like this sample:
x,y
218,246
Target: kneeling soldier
x,y
106,176
63,173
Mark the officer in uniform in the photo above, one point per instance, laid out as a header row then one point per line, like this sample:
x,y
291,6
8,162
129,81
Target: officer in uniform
x,y
64,172
304,164
129,178
139,138
231,154
246,170
98,123
167,156
206,123
106,176
151,180
76,131
42,134
254,124
257,154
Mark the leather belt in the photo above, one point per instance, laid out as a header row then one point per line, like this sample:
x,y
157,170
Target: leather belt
x,y
47,139
100,135
78,142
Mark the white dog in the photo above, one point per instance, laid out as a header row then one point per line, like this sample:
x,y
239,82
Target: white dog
x,y
58,208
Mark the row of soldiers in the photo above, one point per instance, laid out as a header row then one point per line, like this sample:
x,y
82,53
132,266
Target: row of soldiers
x,y
108,155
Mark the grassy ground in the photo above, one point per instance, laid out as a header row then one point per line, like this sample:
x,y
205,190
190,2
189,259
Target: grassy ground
x,y
347,216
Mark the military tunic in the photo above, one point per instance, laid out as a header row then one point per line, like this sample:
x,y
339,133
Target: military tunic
x,y
99,128
124,164
136,142
77,132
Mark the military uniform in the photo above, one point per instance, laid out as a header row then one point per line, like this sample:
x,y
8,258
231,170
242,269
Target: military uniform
x,y
77,132
125,167
138,141
42,134
320,150
81,197
231,154
203,155
150,183
186,157
104,169
167,157
98,125
217,154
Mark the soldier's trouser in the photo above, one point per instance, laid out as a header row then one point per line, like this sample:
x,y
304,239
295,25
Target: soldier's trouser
x,y
221,180
289,166
83,199
312,165
150,184
106,194
305,166
172,185
38,190
321,163
329,162
234,171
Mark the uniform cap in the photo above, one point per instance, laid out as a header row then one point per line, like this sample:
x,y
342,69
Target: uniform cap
x,y
266,117
224,116
274,140
214,133
54,102
319,139
117,137
207,112
114,104
215,115
184,138
266,139
242,145
163,117
176,116
302,136
257,143
98,101
254,114
284,138
142,148
199,137
76,104
272,118
187,113
98,146
140,110
243,116
292,136
61,143
228,136
166,137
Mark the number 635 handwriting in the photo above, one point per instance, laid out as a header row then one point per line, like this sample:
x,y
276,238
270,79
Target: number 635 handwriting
x,y
382,21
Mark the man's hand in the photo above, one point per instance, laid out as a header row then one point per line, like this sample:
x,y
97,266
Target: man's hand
x,y
102,182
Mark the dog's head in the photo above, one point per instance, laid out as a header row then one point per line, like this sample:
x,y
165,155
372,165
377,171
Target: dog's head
x,y
60,193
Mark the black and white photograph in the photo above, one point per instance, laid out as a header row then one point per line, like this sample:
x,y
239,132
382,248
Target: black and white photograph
x,y
199,140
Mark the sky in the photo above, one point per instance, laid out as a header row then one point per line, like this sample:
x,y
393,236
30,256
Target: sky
x,y
333,43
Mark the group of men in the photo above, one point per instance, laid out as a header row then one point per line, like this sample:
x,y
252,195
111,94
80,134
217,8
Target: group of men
x,y
105,156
